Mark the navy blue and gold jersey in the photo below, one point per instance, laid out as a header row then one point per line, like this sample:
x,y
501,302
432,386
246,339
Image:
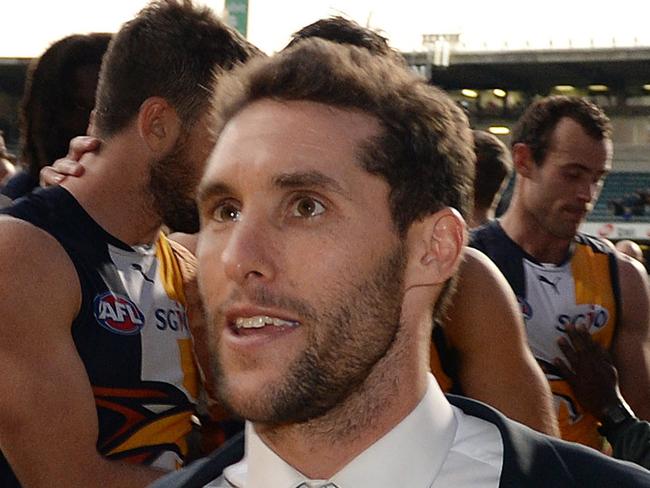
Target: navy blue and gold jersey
x,y
583,290
131,332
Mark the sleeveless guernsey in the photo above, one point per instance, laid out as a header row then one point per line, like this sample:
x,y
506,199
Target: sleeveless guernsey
x,y
131,333
444,361
583,290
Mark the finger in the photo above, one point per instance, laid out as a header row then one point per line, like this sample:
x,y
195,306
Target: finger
x,y
81,145
568,351
563,369
580,337
49,177
68,167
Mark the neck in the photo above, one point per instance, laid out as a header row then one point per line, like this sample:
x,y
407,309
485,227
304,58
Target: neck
x,y
114,190
523,228
321,447
480,216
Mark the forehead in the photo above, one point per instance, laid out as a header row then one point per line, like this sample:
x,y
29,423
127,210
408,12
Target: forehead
x,y
269,137
571,144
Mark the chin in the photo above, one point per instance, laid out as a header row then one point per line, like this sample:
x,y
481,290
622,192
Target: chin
x,y
247,399
567,232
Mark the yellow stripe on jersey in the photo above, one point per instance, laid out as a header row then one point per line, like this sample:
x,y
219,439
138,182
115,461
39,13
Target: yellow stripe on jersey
x,y
593,285
172,279
170,271
576,424
167,430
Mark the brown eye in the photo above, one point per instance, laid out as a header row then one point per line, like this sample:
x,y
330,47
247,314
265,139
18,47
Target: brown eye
x,y
307,207
226,212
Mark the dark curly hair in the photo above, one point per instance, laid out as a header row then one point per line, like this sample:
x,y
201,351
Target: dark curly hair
x,y
344,31
425,150
536,125
493,167
189,41
51,100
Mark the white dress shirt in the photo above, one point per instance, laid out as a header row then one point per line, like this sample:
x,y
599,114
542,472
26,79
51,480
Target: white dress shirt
x,y
435,446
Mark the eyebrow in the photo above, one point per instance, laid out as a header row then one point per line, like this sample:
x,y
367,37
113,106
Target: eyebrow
x,y
212,189
308,179
587,169
301,179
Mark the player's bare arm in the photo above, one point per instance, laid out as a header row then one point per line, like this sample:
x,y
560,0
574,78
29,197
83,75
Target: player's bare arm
x,y
48,419
631,347
496,366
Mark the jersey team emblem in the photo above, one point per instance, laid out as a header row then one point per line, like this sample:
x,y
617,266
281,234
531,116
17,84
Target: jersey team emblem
x,y
118,314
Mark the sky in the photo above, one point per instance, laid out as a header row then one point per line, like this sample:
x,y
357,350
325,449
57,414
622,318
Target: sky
x,y
29,26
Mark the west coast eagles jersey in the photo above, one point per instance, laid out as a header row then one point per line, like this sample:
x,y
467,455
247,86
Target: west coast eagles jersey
x,y
583,290
131,332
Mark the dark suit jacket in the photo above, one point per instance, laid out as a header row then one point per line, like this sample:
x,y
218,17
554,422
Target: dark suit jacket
x,y
530,459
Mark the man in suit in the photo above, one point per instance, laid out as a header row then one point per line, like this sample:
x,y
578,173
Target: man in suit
x,y
331,234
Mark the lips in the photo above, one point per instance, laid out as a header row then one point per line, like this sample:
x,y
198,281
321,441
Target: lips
x,y
576,212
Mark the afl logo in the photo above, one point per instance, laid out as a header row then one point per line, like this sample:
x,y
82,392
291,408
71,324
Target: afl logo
x,y
118,314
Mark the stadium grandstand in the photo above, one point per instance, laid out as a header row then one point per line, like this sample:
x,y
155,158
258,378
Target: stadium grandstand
x,y
495,87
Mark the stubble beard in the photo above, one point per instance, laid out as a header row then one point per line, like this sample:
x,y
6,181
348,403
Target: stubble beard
x,y
172,184
550,221
562,230
359,330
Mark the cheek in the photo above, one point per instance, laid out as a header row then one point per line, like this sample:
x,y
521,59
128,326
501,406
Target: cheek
x,y
332,268
326,256
548,195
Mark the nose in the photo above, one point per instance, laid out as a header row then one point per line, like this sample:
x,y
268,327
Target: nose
x,y
248,253
588,191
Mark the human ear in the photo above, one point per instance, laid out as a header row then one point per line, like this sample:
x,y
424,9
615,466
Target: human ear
x,y
522,159
435,245
158,125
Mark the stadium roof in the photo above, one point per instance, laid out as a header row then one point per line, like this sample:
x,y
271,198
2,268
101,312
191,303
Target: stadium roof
x,y
538,71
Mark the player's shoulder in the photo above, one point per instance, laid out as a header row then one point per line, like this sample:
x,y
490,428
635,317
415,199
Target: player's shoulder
x,y
32,261
631,269
20,237
596,244
182,248
186,243
478,272
475,260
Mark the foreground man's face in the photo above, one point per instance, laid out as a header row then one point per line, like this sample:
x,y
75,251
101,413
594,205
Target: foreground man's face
x,y
300,264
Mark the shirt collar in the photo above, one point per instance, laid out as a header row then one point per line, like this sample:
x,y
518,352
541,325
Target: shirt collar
x,y
414,451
